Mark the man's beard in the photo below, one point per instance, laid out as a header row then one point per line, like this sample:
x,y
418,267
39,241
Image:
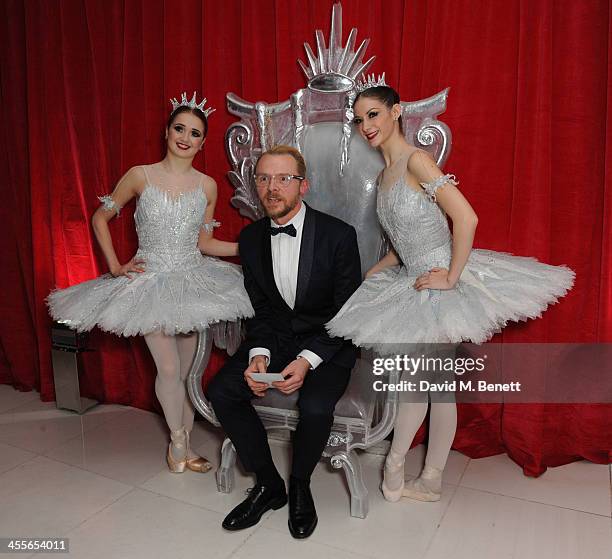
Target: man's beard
x,y
286,207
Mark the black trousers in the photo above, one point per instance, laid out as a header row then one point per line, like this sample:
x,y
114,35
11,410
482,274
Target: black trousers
x,y
231,399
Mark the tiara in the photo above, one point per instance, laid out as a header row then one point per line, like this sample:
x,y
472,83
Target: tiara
x,y
368,82
191,104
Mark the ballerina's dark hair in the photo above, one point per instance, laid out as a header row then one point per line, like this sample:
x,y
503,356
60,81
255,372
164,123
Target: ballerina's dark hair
x,y
385,94
185,109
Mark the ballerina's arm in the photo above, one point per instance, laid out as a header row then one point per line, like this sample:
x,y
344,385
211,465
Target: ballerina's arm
x,y
388,260
464,219
207,244
128,186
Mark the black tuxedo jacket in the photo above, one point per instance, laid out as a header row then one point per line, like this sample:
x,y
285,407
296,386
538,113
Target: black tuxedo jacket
x,y
329,271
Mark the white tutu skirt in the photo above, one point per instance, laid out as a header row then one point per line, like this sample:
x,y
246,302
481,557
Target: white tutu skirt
x,y
172,302
495,288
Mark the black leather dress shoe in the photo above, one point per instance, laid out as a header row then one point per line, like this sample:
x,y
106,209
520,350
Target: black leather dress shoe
x,y
302,514
261,498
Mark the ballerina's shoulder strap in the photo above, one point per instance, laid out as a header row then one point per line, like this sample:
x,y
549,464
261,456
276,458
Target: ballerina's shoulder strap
x,y
146,174
432,186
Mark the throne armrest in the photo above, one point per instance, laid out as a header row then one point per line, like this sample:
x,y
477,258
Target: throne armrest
x,y
194,378
375,410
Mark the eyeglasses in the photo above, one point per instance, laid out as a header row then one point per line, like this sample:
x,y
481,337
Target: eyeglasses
x,y
283,180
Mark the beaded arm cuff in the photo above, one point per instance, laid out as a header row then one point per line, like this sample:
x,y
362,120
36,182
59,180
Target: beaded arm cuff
x,y
109,204
208,227
431,187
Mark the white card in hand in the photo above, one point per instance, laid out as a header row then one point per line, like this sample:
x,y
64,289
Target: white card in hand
x,y
268,378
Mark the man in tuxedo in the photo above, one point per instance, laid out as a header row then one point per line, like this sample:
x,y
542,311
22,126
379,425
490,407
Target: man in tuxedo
x,y
300,266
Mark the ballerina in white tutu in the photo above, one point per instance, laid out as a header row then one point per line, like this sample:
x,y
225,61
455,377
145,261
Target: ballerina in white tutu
x,y
431,287
169,290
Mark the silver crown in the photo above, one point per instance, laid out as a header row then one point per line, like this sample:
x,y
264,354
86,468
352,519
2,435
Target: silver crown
x,y
336,67
368,82
191,104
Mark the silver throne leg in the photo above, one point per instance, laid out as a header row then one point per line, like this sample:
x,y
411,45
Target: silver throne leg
x,y
225,473
354,476
194,378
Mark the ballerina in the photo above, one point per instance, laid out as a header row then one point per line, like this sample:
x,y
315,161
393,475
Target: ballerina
x,y
173,287
431,287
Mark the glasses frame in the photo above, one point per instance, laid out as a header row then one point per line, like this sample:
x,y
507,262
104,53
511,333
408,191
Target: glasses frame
x,y
274,177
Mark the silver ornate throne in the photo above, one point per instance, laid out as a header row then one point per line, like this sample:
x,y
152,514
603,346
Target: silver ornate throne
x,y
342,170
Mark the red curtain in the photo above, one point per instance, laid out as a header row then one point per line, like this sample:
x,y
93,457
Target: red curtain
x,y
85,87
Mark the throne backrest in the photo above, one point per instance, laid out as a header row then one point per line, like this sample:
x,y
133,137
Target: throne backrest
x,y
342,168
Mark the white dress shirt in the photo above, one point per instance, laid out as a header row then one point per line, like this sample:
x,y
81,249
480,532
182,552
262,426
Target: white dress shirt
x,y
285,262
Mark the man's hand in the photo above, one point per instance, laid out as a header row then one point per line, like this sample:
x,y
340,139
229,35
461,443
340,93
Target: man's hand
x,y
294,374
259,364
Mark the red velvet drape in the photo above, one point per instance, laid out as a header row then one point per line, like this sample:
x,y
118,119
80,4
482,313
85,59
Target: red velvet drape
x,y
85,87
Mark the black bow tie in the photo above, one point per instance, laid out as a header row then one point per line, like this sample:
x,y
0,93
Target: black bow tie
x,y
288,229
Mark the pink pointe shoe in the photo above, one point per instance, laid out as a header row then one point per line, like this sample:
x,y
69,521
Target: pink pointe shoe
x,y
393,477
179,439
199,464
427,487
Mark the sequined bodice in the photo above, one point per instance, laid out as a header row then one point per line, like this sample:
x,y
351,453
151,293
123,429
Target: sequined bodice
x,y
168,228
416,227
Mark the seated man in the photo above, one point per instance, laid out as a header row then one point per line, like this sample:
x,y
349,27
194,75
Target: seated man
x,y
300,266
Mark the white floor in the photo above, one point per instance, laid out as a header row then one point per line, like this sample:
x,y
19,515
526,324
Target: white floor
x,y
100,480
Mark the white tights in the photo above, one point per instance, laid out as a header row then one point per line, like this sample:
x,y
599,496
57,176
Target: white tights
x,y
442,427
173,356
